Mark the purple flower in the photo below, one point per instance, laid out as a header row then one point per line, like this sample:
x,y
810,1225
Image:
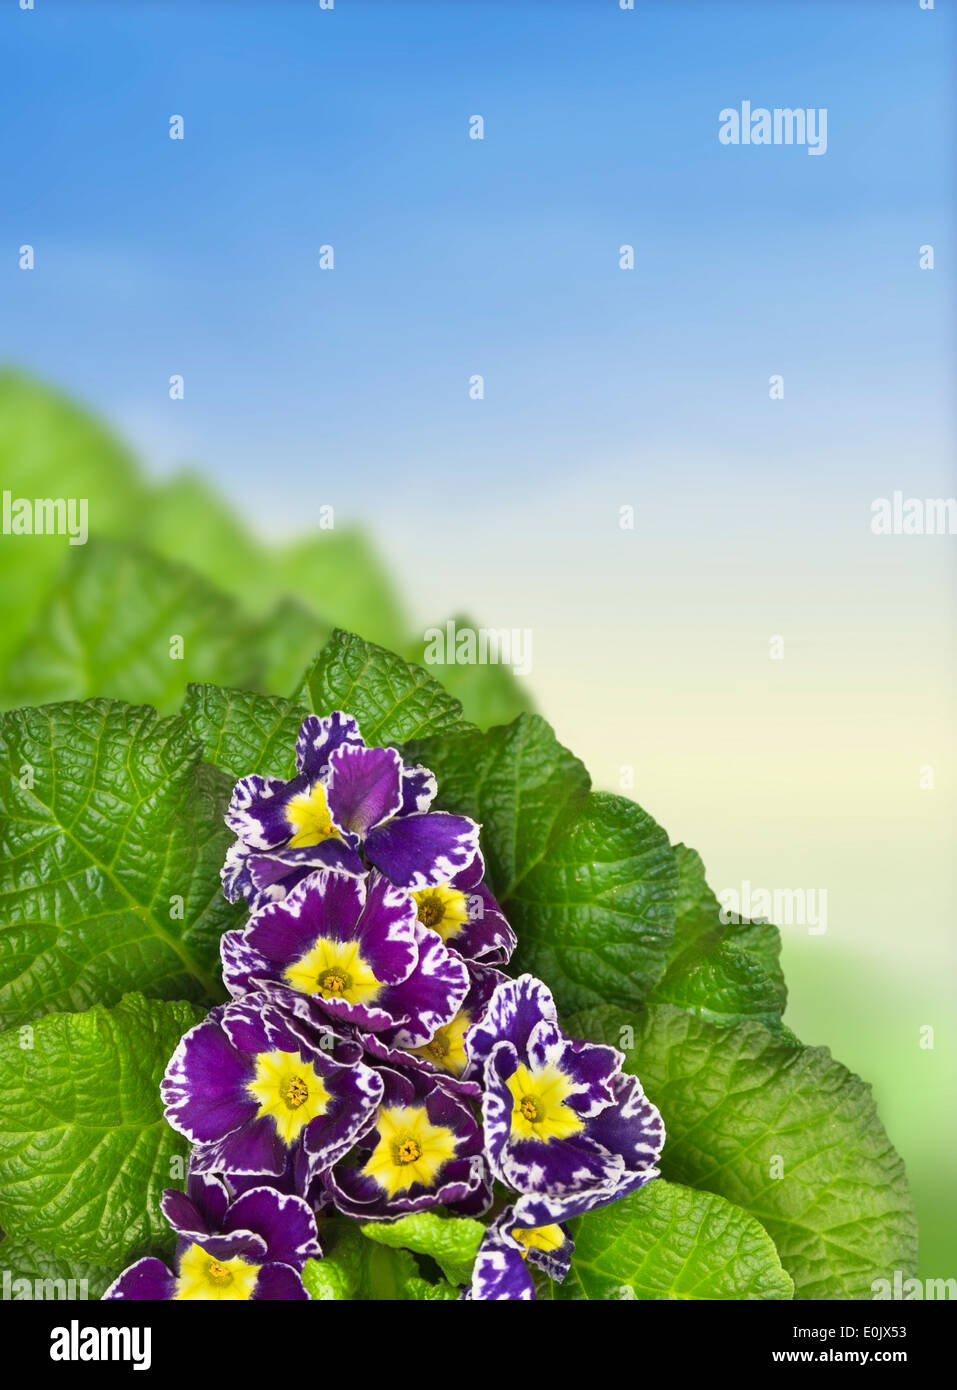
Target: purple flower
x,y
467,917
284,829
251,1085
345,798
424,1150
444,1054
253,1247
350,949
500,1272
565,1127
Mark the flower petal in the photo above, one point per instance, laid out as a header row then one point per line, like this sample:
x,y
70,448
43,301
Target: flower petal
x,y
204,1089
364,787
148,1279
286,1225
320,737
421,851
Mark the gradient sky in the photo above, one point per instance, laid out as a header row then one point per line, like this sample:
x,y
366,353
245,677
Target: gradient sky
x,y
603,388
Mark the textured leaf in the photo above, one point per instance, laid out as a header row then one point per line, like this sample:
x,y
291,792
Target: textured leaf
x,y
784,1132
588,881
110,828
84,1149
392,700
724,972
670,1242
51,448
329,1281
74,1278
243,732
490,693
421,1291
518,782
111,623
594,916
356,1268
451,1241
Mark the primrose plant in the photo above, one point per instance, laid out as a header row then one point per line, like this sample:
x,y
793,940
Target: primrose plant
x,y
345,997
375,1062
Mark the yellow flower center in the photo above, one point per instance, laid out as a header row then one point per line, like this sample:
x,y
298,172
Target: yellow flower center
x,y
445,910
294,1092
309,817
446,1050
202,1277
540,1104
538,1238
336,970
410,1149
289,1091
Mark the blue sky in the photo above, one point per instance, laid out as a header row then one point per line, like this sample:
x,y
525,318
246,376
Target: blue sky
x,y
454,256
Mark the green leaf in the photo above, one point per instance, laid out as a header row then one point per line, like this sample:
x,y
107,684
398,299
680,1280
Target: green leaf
x,y
784,1132
84,1149
356,1268
670,1242
594,916
242,732
587,881
452,1241
724,972
524,788
188,522
339,574
328,1281
49,1276
113,625
392,700
421,1291
50,448
288,641
490,693
112,841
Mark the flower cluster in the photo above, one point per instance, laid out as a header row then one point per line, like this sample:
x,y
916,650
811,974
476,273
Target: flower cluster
x,y
373,1059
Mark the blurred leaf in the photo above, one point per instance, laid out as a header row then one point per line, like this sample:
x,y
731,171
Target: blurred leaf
x,y
108,626
187,521
392,699
338,574
51,448
288,641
